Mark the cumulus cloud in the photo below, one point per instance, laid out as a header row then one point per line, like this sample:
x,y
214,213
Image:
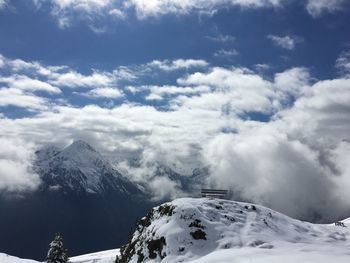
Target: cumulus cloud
x,y
104,93
15,165
73,79
286,42
293,81
318,7
29,79
27,84
235,90
19,98
265,166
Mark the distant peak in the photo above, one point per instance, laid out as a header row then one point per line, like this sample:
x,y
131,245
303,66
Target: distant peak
x,y
80,145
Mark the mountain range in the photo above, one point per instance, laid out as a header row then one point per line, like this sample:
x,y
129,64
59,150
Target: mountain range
x,y
82,196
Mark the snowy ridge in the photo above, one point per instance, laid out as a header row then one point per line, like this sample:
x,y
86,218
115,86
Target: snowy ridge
x,y
4,258
78,167
212,230
204,230
107,256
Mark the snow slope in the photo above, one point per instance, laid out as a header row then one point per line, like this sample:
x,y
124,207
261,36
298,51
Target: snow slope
x,y
212,230
4,258
107,256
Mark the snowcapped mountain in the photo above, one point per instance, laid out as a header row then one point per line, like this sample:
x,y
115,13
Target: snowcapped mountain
x,y
81,196
79,167
213,230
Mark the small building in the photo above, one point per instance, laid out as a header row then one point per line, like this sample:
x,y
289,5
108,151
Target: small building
x,y
215,193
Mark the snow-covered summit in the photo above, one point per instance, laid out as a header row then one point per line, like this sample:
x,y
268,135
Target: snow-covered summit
x,y
212,230
79,167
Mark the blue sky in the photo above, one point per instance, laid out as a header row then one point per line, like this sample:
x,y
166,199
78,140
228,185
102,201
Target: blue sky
x,y
32,32
259,87
90,35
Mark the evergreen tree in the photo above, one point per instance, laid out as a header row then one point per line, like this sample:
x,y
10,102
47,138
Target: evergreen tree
x,y
57,253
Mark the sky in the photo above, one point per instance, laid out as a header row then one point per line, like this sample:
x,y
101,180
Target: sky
x,y
258,91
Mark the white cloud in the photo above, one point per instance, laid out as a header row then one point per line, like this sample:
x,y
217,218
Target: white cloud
x,y
159,92
146,8
95,13
286,42
15,165
322,111
87,5
117,13
19,65
3,4
73,79
19,98
343,63
221,38
262,66
2,61
265,166
317,7
171,65
27,84
111,93
91,11
66,10
226,53
295,160
293,81
238,90
164,188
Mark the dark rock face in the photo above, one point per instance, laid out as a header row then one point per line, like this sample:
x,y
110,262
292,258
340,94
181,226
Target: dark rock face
x,y
155,245
155,248
198,234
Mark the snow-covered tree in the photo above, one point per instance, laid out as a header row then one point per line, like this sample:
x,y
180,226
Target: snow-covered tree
x,y
57,253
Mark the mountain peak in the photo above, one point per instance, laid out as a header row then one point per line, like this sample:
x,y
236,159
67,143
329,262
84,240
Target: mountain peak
x,y
80,167
80,145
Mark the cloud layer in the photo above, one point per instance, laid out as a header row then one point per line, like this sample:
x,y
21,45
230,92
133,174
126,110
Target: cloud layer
x,y
96,12
281,141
